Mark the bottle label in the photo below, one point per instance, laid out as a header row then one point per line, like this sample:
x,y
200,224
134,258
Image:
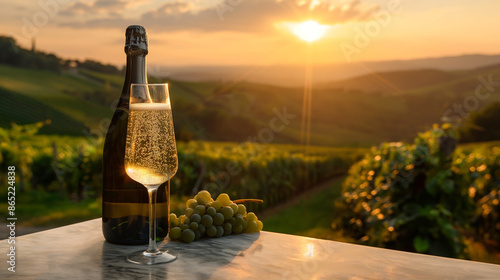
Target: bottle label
x,y
120,210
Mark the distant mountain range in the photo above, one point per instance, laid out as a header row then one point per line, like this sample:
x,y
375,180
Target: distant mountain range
x,y
293,75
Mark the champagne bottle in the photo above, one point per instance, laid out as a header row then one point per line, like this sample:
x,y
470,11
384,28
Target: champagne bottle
x,y
125,212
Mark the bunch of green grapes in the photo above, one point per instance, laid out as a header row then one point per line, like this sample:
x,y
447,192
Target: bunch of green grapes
x,y
213,218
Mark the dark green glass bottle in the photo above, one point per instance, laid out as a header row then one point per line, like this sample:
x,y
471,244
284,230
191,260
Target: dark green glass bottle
x,y
125,212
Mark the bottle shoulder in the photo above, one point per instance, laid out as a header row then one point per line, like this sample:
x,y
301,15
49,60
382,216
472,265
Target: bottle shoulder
x,y
118,124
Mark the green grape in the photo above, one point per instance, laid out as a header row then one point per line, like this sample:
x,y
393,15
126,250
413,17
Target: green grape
x,y
187,221
211,231
220,231
200,209
195,218
191,203
251,217
234,207
184,226
211,211
197,235
203,197
244,224
232,221
174,221
201,228
216,205
187,236
181,219
223,199
260,225
238,228
252,227
189,212
218,219
242,209
239,220
206,220
227,212
175,233
193,226
228,226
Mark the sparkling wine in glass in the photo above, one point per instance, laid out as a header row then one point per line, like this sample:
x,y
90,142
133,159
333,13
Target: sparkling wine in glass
x,y
150,155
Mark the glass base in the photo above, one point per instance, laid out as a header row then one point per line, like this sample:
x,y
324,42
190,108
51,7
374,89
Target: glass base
x,y
143,257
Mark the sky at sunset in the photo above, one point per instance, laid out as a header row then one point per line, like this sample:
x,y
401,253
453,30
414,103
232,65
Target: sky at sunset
x,y
256,32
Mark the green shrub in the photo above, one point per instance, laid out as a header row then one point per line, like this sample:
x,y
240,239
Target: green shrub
x,y
480,170
406,197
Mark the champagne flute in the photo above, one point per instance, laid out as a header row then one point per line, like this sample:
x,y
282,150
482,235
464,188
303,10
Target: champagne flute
x,y
150,155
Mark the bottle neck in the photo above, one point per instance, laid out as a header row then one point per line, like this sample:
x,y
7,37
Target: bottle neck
x,y
136,73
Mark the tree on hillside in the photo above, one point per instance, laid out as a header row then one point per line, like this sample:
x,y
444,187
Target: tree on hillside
x,y
12,54
99,67
483,125
8,51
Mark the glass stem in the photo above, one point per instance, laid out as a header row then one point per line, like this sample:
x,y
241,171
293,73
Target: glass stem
x,y
152,220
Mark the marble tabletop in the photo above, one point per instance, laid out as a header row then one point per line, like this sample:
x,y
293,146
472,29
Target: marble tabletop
x,y
79,251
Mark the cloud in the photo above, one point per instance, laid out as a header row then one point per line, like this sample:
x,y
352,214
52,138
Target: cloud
x,y
229,15
174,8
91,9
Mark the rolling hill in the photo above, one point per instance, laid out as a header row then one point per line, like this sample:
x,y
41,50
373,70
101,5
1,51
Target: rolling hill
x,y
293,75
62,92
360,111
25,110
395,82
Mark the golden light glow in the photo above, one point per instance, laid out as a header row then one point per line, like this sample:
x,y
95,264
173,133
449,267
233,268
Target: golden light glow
x,y
310,250
309,31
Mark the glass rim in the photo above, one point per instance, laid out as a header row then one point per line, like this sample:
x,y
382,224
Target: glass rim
x,y
152,92
152,84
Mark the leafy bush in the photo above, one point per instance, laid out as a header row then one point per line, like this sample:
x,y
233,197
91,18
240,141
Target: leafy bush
x,y
480,170
43,173
54,163
406,197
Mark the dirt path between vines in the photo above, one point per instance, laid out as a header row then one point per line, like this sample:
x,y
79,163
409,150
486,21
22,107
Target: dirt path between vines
x,y
275,210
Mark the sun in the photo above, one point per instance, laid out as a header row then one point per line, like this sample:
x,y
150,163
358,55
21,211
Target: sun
x,y
309,31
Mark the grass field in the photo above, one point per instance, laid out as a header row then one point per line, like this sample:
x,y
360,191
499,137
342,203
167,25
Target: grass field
x,y
310,216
